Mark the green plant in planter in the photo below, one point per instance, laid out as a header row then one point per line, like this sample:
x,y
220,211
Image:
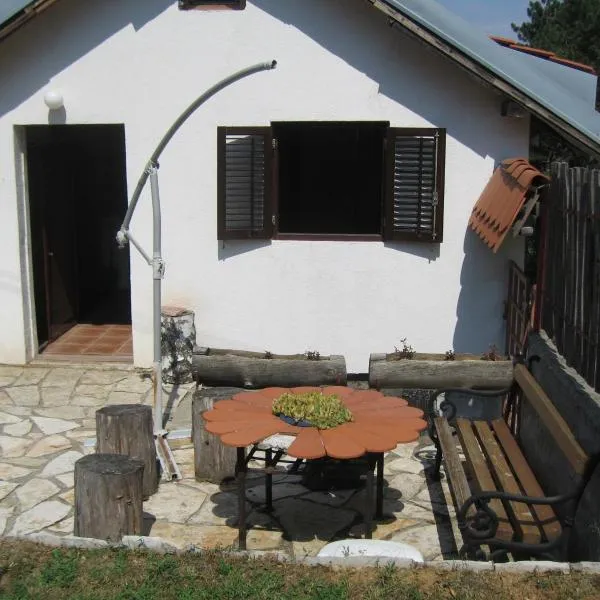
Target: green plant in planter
x,y
407,351
315,408
492,354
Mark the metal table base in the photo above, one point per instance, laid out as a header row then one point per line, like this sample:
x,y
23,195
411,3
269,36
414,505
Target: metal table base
x,y
272,457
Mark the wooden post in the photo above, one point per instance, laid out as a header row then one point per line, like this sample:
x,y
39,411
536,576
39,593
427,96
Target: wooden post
x,y
127,429
213,461
108,496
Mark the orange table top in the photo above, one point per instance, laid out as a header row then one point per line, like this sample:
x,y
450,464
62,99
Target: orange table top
x,y
379,423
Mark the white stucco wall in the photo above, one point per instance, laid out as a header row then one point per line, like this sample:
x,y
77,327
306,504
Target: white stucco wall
x,y
141,63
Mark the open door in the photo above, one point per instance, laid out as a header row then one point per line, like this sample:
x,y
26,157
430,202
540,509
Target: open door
x,y
51,183
77,198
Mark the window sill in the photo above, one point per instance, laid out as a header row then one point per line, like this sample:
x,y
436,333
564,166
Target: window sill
x,y
331,237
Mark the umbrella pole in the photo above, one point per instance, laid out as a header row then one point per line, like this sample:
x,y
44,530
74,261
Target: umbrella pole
x,y
158,272
170,469
124,236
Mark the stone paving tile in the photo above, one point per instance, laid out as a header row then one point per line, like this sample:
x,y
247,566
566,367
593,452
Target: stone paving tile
x,y
6,487
124,398
5,514
5,399
7,418
10,472
182,536
67,412
98,392
65,526
67,479
18,429
49,445
90,401
55,396
63,377
174,503
27,461
61,464
134,383
35,491
31,376
13,446
8,375
427,540
28,395
98,377
51,426
40,517
19,411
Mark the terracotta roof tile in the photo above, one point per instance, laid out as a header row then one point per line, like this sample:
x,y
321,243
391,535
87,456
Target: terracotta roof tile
x,y
574,64
502,199
530,50
551,56
503,41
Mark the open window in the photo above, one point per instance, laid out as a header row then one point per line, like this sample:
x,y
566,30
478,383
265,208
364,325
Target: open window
x,y
331,180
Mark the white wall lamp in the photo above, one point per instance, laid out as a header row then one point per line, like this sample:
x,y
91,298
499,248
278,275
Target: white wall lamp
x,y
53,100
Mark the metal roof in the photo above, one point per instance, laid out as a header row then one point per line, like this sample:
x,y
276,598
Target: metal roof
x,y
15,13
535,81
9,8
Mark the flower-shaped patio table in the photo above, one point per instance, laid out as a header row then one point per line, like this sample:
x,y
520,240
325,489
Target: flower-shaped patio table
x,y
379,423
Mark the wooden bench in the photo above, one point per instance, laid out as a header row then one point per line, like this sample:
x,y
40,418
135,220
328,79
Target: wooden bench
x,y
499,502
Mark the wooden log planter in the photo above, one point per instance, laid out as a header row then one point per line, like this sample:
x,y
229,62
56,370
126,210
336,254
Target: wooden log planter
x,y
434,371
108,496
214,366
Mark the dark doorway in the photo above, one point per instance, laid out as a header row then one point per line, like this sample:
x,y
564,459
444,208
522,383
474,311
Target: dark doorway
x,y
77,200
330,177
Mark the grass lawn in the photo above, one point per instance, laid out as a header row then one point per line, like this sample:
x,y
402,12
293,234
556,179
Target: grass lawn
x,y
30,571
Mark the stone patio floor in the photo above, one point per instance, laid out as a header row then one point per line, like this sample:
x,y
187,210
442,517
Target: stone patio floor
x,y
47,421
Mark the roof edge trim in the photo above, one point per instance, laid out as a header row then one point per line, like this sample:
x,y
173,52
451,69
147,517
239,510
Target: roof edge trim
x,y
583,138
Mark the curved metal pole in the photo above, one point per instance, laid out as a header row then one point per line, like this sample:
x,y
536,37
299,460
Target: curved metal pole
x,y
122,235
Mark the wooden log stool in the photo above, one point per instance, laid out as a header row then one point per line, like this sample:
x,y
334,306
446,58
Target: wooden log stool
x,y
213,461
108,496
127,429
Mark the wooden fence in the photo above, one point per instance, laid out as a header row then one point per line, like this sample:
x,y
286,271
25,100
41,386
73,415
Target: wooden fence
x,y
569,300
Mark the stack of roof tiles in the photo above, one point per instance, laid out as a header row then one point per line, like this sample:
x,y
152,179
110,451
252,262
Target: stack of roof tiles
x,y
502,200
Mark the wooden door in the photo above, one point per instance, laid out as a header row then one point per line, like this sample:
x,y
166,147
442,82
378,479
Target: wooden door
x,y
51,169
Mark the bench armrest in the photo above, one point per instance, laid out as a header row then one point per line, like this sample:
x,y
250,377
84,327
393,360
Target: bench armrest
x,y
485,520
448,409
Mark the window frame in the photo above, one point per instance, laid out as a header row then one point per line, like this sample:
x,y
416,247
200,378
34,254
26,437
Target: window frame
x,y
270,229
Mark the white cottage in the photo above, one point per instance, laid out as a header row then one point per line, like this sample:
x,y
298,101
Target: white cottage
x,y
322,205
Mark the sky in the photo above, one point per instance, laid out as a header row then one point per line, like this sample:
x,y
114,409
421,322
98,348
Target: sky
x,y
492,16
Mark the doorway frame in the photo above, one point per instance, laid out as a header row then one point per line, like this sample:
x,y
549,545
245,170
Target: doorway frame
x,y
31,341
25,254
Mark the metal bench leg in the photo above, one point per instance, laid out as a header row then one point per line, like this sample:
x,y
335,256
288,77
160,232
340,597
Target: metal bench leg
x,y
269,479
379,499
241,469
435,474
369,505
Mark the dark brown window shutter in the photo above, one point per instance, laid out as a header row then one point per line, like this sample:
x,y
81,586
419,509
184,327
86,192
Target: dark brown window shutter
x,y
245,179
414,199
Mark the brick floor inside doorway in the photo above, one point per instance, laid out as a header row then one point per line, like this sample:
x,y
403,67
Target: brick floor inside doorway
x,y
112,341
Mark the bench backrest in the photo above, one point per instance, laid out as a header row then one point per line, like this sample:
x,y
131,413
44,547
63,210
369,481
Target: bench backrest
x,y
557,427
